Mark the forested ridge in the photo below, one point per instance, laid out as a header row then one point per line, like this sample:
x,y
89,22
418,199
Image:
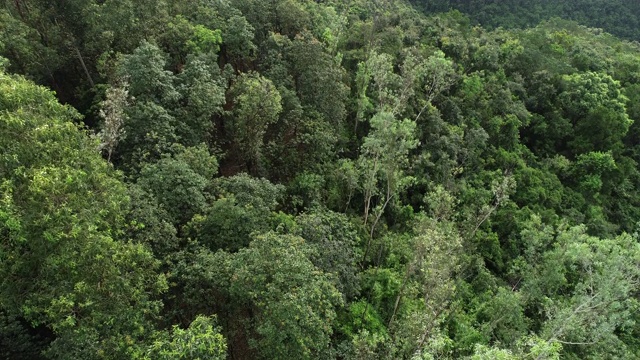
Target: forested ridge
x,y
297,179
619,17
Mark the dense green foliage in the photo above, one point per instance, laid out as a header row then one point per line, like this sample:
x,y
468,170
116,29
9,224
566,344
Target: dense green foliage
x,y
618,17
294,179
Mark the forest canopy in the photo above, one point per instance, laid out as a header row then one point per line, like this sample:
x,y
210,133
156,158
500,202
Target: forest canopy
x,y
297,179
618,17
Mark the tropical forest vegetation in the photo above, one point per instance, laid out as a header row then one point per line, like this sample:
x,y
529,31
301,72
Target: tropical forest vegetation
x,y
298,179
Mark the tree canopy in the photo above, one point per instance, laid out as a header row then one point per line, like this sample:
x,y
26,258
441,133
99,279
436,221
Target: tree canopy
x,y
297,179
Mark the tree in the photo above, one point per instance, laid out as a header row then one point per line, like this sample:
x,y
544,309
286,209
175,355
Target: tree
x,y
202,95
202,340
313,95
183,38
17,340
178,182
433,261
149,129
149,223
112,113
294,300
276,303
318,78
228,225
585,286
245,206
383,159
164,108
596,106
333,239
257,103
64,265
